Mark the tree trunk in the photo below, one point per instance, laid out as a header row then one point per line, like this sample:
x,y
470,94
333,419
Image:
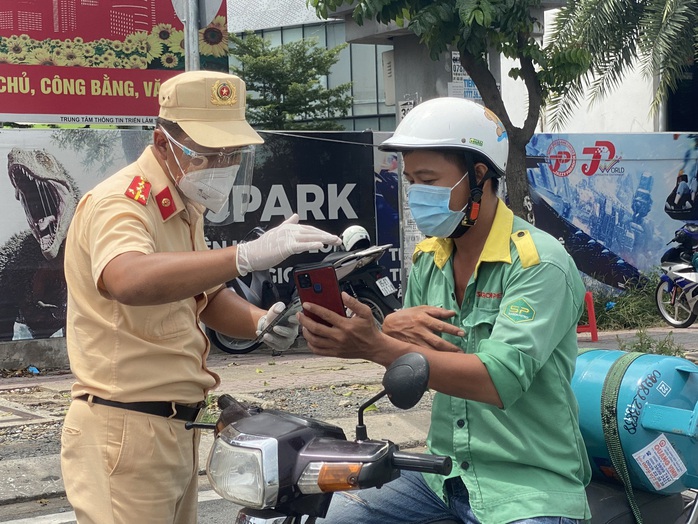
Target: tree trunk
x,y
518,194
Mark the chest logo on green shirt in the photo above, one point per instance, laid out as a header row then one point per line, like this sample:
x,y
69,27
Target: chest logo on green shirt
x,y
519,311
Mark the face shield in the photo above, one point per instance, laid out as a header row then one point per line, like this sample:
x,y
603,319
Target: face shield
x,y
212,177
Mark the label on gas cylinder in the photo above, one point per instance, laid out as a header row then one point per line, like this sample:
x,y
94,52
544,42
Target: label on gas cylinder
x,y
660,462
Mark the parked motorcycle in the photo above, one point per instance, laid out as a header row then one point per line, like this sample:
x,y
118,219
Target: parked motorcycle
x,y
677,292
358,273
283,468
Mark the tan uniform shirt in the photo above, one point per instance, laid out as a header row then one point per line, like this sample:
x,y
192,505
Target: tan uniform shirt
x,y
134,353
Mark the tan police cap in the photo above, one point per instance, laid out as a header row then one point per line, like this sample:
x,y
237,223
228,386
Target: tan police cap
x,y
209,107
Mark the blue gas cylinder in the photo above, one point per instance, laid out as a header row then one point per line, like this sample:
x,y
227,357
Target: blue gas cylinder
x,y
657,416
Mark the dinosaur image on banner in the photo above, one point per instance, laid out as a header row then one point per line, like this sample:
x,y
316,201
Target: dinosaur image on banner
x,y
32,287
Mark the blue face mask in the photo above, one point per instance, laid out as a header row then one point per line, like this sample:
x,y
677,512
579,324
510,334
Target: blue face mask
x,y
429,208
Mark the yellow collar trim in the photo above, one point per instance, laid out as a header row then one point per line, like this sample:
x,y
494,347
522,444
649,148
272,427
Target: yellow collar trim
x,y
441,247
496,247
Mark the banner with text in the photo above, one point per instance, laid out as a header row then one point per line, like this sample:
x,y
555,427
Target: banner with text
x,y
96,62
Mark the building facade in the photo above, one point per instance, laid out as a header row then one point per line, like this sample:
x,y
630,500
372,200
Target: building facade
x,y
365,65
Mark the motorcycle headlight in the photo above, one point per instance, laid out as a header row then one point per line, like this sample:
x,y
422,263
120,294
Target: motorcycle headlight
x,y
244,468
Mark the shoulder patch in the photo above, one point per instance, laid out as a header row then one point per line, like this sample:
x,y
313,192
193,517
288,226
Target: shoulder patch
x,y
519,311
166,204
528,254
138,190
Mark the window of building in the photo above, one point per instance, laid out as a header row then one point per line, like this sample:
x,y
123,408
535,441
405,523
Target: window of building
x,y
359,64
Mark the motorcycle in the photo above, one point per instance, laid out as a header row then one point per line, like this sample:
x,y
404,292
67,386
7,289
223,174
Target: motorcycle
x,y
283,468
677,292
358,273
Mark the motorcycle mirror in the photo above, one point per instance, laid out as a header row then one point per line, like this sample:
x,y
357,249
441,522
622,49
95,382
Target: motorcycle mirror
x,y
406,380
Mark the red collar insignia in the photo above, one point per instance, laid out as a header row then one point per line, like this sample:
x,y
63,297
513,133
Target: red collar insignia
x,y
166,204
139,190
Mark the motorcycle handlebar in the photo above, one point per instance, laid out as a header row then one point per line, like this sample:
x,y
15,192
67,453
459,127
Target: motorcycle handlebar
x,y
422,462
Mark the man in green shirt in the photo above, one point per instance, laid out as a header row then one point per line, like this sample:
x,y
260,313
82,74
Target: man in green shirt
x,y
493,303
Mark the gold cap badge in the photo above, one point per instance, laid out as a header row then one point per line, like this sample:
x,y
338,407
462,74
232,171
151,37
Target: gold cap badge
x,y
223,93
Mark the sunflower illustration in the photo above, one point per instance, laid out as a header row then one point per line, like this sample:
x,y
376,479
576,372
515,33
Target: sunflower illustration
x,y
213,39
72,55
43,57
78,61
177,42
136,62
154,47
18,59
162,47
163,32
16,47
169,60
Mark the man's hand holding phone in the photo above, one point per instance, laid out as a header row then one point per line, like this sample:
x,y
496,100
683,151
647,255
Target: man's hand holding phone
x,y
329,332
317,284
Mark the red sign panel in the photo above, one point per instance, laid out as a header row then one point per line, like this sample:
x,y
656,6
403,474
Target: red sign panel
x,y
95,61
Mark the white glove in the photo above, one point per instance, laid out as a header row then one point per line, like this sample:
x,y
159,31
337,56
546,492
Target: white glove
x,y
281,335
279,243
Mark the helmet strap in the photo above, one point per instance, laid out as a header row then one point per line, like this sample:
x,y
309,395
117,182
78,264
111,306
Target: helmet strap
x,y
472,208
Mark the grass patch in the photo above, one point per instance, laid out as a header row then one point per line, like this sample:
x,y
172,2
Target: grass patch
x,y
211,411
632,308
644,343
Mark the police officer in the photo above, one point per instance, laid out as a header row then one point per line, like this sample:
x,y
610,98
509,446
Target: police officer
x,y
140,280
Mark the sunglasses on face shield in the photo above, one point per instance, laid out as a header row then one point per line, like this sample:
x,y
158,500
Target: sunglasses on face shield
x,y
199,159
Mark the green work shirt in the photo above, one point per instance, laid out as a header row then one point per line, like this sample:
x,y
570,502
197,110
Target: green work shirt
x,y
519,314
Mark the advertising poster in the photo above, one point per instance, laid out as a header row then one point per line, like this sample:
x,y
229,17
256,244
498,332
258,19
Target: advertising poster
x,y
386,169
614,200
95,61
47,173
327,178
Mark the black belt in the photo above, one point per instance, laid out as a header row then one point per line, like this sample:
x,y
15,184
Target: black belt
x,y
161,409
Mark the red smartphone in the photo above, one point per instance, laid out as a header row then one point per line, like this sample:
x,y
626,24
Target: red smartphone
x,y
317,284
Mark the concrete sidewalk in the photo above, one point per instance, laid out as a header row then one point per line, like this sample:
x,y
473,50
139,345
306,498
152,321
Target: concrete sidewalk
x,y
246,375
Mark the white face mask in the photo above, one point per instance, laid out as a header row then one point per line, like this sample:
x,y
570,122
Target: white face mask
x,y
209,187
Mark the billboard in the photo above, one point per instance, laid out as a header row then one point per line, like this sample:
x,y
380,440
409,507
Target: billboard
x,y
614,200
327,178
95,61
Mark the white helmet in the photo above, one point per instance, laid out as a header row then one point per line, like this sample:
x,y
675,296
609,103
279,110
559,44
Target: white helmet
x,y
453,123
355,237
